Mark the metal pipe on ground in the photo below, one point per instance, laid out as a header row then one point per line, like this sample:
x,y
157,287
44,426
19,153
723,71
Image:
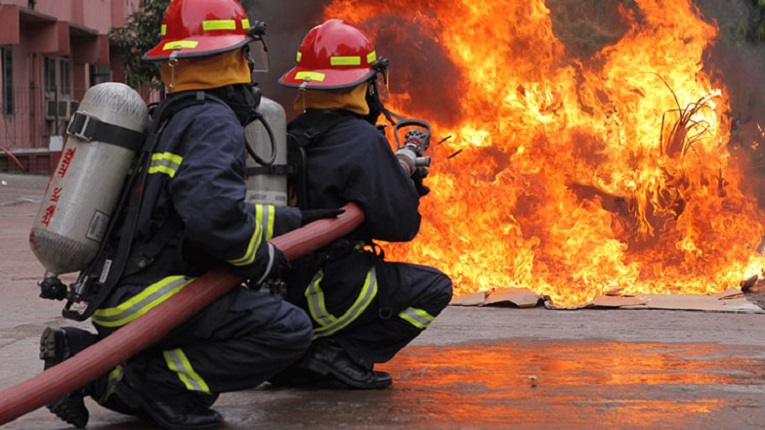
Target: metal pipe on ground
x,y
107,353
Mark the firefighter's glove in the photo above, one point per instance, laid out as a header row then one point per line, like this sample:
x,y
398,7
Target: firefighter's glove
x,y
311,215
271,281
418,177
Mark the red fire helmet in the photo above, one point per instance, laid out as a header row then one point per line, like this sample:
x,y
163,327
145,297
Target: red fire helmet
x,y
198,28
333,55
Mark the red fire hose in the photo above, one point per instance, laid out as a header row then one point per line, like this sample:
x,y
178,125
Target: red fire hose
x,y
103,356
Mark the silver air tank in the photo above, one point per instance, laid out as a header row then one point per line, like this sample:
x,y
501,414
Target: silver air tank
x,y
268,187
83,190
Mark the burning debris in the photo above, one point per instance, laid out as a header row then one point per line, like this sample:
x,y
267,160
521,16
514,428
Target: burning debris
x,y
571,175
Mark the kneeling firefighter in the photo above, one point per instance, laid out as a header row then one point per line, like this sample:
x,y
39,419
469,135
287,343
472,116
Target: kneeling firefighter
x,y
187,213
363,308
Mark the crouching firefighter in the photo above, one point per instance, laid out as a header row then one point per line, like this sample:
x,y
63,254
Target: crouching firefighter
x,y
185,212
363,309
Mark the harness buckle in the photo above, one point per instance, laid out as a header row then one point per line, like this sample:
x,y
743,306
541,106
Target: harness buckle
x,y
77,126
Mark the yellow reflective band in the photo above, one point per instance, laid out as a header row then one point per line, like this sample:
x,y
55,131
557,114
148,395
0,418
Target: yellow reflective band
x,y
265,215
371,57
335,324
246,24
416,317
252,248
111,383
165,162
191,44
219,24
178,362
163,30
345,61
299,56
141,303
310,76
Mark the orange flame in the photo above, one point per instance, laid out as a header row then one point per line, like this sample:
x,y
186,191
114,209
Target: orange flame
x,y
569,176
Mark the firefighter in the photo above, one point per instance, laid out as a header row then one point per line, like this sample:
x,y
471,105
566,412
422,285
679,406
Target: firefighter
x,y
192,216
364,309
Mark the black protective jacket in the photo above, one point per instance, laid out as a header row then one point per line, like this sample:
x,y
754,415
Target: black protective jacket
x,y
352,162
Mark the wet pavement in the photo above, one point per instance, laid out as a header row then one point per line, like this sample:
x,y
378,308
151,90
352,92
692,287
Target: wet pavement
x,y
474,368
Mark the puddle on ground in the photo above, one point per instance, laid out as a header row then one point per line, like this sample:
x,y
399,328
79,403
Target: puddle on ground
x,y
552,384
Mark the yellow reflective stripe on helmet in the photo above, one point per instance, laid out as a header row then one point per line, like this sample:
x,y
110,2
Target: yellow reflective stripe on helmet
x,y
371,57
180,44
265,216
163,30
331,324
178,362
218,24
141,303
246,24
311,76
345,61
252,248
166,163
416,317
299,56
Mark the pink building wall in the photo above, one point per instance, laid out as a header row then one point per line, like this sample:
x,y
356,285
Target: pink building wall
x,y
70,36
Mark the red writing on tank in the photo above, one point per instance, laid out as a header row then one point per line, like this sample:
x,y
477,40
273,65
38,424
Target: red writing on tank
x,y
56,194
48,215
66,159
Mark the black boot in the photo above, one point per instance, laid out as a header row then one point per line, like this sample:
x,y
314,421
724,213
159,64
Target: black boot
x,y
57,345
326,357
173,411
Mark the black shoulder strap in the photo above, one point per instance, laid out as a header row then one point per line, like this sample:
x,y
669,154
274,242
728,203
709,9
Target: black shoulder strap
x,y
106,269
302,133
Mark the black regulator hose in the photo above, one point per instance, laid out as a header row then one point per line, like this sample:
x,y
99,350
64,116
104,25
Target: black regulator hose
x,y
271,137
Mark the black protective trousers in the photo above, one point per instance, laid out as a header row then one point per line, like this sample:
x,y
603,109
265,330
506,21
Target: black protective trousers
x,y
236,343
379,333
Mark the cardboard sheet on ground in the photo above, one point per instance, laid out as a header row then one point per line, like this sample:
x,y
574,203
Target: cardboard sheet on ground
x,y
732,300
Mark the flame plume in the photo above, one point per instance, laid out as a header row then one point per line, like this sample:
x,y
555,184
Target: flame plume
x,y
569,175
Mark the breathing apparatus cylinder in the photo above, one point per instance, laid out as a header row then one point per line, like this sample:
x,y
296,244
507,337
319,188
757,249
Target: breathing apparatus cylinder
x,y
104,136
267,184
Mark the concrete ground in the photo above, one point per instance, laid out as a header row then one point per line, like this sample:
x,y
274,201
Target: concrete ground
x,y
474,368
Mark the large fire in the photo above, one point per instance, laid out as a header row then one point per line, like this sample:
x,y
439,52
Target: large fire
x,y
570,176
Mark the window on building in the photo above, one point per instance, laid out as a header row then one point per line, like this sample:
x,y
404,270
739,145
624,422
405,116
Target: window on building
x,y
50,78
6,58
99,73
65,75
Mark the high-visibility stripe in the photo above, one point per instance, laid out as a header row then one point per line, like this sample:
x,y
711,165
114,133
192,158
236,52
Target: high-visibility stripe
x,y
299,56
265,216
178,362
163,30
312,76
180,44
416,317
166,163
371,57
111,383
141,303
218,24
330,324
345,61
246,24
252,248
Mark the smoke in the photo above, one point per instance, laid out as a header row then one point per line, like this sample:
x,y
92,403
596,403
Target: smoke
x,y
420,67
288,22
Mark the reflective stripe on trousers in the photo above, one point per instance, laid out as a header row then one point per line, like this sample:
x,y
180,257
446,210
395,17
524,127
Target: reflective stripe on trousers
x,y
328,323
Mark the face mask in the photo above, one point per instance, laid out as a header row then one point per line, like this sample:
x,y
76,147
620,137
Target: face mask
x,y
243,99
